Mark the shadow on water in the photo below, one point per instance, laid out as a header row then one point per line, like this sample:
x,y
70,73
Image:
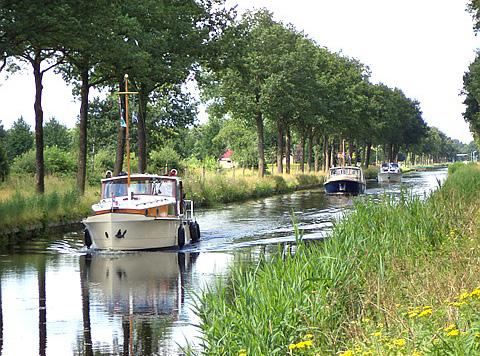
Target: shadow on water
x,y
56,298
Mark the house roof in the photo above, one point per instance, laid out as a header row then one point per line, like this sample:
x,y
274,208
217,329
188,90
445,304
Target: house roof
x,y
227,154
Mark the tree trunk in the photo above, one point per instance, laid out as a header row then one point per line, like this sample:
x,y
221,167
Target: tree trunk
x,y
39,161
288,151
317,155
280,147
82,134
369,151
120,152
141,130
310,151
302,160
332,154
350,152
261,150
325,154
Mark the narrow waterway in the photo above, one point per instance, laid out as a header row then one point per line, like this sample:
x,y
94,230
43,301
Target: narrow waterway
x,y
55,299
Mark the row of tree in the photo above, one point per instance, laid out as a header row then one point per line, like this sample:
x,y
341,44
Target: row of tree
x,y
270,89
93,44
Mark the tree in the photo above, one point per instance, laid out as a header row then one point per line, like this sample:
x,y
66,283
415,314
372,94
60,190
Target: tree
x,y
35,31
4,166
97,41
19,139
239,76
56,134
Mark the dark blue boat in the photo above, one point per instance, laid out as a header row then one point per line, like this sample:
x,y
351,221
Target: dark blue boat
x,y
345,180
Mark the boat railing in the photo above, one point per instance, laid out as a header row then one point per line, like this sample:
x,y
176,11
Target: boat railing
x,y
188,209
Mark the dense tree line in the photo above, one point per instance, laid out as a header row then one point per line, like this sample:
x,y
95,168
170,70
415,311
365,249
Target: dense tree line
x,y
271,92
471,80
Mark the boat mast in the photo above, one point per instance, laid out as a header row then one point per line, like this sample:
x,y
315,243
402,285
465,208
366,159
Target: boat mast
x,y
127,136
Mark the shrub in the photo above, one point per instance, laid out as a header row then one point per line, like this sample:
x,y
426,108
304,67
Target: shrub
x,y
165,157
57,161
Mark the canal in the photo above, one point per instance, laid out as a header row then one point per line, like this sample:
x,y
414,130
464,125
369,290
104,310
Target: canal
x,y
57,299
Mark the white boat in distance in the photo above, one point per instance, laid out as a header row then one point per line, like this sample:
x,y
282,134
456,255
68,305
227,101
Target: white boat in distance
x,y
148,213
345,180
389,173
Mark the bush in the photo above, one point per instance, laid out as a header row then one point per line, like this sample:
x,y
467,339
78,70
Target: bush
x,y
57,161
25,163
165,157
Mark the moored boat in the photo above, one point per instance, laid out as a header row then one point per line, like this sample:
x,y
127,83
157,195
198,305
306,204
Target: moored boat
x,y
148,213
347,180
389,173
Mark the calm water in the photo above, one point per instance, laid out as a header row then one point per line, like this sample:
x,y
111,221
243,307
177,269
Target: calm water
x,y
58,300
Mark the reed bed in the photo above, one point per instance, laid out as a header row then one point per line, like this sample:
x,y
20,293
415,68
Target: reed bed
x,y
212,188
390,280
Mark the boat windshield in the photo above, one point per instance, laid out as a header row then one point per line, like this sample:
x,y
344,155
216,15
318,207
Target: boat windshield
x,y
394,165
348,171
118,187
164,187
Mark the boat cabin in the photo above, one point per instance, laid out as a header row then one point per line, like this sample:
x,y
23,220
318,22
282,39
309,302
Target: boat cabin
x,y
350,171
390,167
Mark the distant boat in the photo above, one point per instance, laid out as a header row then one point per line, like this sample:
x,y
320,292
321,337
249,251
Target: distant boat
x,y
389,173
346,180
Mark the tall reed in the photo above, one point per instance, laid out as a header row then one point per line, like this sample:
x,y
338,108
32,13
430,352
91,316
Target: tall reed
x,y
314,301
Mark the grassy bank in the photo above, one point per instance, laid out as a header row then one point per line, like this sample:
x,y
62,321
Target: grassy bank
x,y
214,188
21,209
397,277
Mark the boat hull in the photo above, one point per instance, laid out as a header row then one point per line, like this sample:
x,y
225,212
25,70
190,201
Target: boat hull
x,y
117,231
347,187
388,177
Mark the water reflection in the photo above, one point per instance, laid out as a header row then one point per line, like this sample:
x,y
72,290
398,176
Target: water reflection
x,y
144,292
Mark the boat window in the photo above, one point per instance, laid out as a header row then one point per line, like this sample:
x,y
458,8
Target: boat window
x,y
117,188
394,165
140,187
164,187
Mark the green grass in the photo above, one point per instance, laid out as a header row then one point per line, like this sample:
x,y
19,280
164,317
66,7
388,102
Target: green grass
x,y
384,260
224,188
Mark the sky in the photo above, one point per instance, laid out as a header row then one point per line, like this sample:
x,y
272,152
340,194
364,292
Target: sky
x,y
420,46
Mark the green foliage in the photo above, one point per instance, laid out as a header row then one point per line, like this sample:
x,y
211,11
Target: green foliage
x,y
345,278
56,134
57,161
29,211
164,158
209,163
19,139
4,165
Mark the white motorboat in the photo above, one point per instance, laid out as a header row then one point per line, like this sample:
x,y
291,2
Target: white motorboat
x,y
140,211
389,173
150,212
345,180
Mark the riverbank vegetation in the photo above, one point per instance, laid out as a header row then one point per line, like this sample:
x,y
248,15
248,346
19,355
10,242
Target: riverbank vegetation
x,y
21,209
397,277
